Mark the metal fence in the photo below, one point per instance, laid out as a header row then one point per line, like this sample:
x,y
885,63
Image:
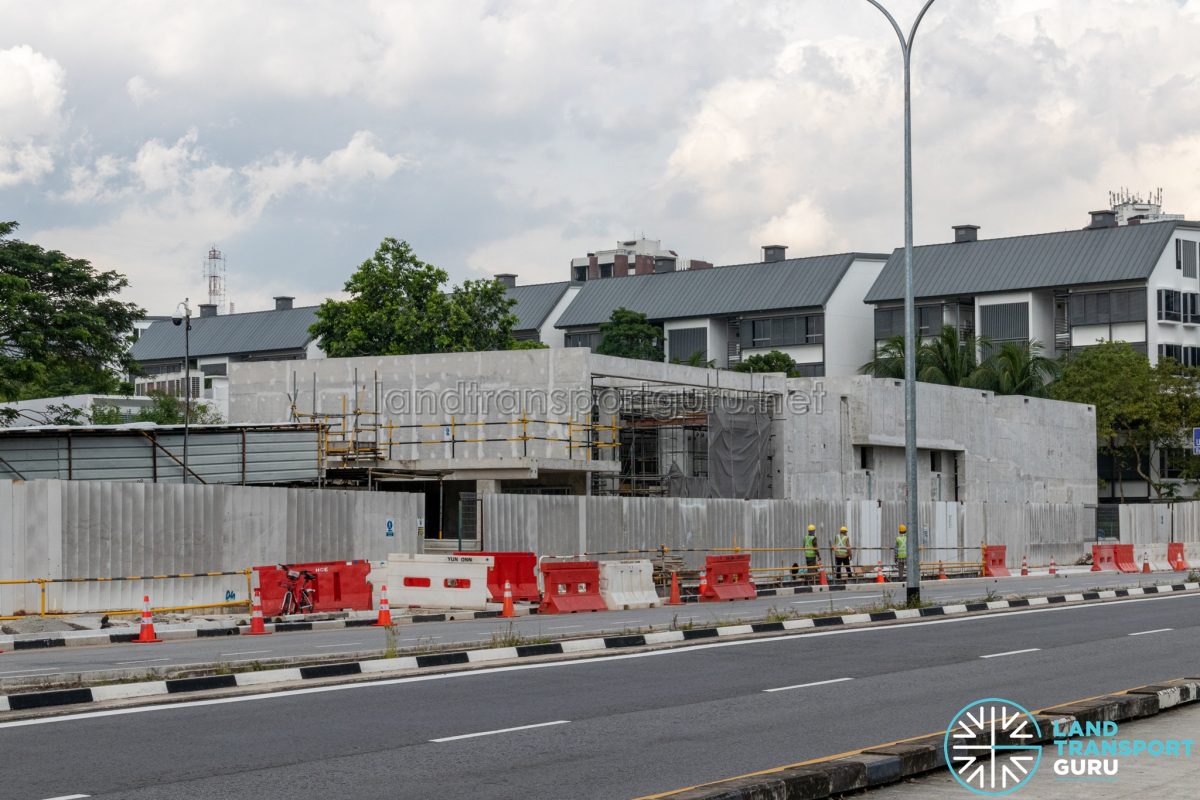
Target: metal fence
x,y
98,529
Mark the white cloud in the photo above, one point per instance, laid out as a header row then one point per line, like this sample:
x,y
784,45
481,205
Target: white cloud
x,y
140,91
32,93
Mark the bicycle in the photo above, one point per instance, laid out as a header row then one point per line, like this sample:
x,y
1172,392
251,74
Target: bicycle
x,y
298,599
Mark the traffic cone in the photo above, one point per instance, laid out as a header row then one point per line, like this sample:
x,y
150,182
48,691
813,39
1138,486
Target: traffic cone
x,y
257,628
702,589
1053,566
146,635
942,576
1145,562
675,599
385,612
824,580
508,605
1025,565
879,572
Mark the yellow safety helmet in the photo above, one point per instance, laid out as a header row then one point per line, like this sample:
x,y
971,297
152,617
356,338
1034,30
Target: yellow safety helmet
x,y
812,527
843,529
903,528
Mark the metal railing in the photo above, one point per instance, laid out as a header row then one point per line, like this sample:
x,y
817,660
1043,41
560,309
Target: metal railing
x,y
43,583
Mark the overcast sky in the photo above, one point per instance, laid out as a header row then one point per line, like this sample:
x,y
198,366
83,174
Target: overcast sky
x,y
512,136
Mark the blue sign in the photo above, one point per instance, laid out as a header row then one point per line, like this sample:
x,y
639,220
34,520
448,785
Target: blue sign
x,y
391,527
1196,441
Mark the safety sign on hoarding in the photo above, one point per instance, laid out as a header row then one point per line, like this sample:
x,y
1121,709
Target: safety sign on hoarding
x,y
391,527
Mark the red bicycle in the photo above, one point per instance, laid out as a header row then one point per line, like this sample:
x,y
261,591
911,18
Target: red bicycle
x,y
298,599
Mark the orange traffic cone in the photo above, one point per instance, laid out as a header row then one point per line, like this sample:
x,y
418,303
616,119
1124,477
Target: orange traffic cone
x,y
675,599
257,628
1053,566
942,576
1145,562
879,572
702,589
508,605
385,611
824,580
146,635
1025,565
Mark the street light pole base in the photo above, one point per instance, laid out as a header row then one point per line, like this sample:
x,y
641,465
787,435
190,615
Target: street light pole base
x,y
914,595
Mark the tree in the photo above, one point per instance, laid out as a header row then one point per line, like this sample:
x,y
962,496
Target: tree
x,y
526,344
888,361
168,410
627,334
1140,409
946,359
62,331
1018,368
774,361
397,306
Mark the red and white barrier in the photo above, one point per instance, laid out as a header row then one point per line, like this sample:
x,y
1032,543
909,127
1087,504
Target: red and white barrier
x,y
433,581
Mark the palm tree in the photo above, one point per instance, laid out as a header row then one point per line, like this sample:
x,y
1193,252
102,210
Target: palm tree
x,y
1019,368
948,359
888,361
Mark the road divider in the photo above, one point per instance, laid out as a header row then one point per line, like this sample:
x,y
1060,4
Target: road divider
x,y
571,587
628,584
437,581
728,578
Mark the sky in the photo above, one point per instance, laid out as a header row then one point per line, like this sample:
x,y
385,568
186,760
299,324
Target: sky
x,y
512,136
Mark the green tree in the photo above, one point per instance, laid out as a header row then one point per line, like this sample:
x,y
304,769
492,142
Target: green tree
x,y
62,330
947,359
1140,409
888,361
398,306
774,361
168,410
526,344
627,334
1018,368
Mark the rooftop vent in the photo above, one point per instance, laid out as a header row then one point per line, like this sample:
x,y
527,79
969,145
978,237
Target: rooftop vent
x,y
507,279
966,233
1102,219
208,310
664,264
774,252
283,303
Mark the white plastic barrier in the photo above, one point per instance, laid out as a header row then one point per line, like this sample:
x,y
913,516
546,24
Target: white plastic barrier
x,y
1157,554
628,584
430,581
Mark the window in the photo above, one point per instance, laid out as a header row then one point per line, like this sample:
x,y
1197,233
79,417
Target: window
x,y
1172,462
1191,356
810,370
761,333
579,273
589,339
935,460
685,344
1103,308
816,328
606,270
1170,305
866,458
1174,351
1179,254
1190,303
1005,322
929,320
1188,257
785,331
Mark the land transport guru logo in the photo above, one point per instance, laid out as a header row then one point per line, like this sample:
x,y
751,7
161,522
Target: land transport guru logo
x,y
992,748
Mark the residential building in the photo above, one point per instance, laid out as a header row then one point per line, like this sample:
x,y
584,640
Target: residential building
x,y
1138,283
539,305
632,257
215,342
809,308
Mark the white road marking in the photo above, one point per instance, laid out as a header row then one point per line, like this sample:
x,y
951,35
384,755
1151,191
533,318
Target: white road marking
x,y
806,685
501,730
245,652
562,627
345,644
144,661
806,602
69,797
1156,630
28,671
1012,652
884,630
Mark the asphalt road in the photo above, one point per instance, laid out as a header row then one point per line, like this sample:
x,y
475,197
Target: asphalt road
x,y
613,727
59,661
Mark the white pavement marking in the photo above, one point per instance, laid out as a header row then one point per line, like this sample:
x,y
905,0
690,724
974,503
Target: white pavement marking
x,y
344,644
501,730
1156,630
26,671
1012,652
806,685
806,602
244,653
144,661
409,663
69,797
562,627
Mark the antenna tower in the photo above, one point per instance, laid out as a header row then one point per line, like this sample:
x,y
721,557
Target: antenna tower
x,y
214,278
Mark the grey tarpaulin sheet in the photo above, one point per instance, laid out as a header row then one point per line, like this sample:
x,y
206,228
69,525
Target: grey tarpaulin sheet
x,y
738,446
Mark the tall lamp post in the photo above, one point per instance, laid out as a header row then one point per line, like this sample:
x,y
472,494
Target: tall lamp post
x,y
910,317
183,316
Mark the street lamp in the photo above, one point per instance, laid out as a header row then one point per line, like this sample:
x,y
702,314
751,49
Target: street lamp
x,y
910,316
183,316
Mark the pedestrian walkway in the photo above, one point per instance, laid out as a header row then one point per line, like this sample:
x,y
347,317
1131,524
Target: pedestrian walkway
x,y
1138,776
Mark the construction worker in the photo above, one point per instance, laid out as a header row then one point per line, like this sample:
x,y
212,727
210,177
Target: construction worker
x,y
841,553
810,552
902,553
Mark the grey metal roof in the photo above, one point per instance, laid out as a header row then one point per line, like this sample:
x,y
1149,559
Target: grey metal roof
x,y
1065,258
535,302
252,332
737,289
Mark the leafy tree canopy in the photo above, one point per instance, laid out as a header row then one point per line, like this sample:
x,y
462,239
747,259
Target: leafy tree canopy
x,y
398,306
169,410
627,334
774,361
62,330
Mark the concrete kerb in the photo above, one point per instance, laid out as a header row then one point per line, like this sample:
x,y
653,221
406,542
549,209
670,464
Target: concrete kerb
x,y
878,766
449,661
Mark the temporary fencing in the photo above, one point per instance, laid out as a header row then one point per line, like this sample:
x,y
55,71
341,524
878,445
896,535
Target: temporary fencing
x,y
1104,558
50,594
994,556
439,581
728,578
628,584
1176,557
1126,562
515,568
339,585
571,586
